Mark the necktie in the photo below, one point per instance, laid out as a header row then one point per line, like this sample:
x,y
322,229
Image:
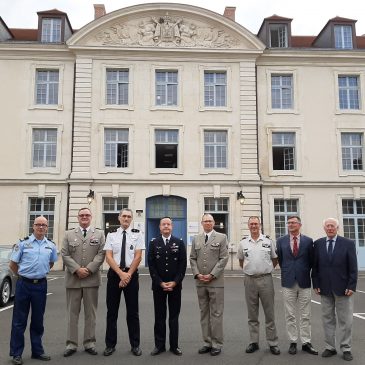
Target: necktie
x,y
166,242
122,254
330,249
85,231
295,246
206,238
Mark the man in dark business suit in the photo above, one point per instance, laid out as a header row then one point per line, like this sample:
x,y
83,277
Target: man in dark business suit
x,y
295,255
167,264
334,277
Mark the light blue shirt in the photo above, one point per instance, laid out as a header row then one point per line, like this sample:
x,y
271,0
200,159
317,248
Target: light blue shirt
x,y
33,257
333,243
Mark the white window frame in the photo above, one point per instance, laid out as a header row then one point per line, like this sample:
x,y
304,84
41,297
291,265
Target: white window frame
x,y
120,170
180,148
53,20
215,68
167,68
298,151
342,41
278,26
46,67
43,146
116,66
295,90
343,216
343,172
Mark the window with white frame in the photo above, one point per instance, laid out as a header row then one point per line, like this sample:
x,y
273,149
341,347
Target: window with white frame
x,y
352,151
353,212
343,36
117,84
283,209
47,82
215,149
166,87
215,88
44,147
166,148
219,209
51,30
349,92
278,35
282,91
116,147
283,151
111,210
44,207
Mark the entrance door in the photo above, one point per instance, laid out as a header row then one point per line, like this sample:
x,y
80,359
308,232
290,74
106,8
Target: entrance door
x,y
165,206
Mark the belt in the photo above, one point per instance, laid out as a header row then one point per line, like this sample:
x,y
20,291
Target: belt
x,y
258,276
32,281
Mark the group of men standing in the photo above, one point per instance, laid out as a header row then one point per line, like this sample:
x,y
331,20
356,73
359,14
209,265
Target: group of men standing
x,y
331,261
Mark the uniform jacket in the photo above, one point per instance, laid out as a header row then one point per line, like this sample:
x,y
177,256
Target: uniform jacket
x,y
79,251
209,258
340,273
167,262
295,269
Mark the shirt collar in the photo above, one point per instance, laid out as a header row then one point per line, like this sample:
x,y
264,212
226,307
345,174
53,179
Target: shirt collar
x,y
333,239
261,237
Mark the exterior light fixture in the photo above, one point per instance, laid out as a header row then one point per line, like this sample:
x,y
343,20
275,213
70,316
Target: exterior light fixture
x,y
90,196
241,197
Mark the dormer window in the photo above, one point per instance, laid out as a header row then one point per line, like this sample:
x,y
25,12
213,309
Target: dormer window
x,y
51,30
343,37
278,36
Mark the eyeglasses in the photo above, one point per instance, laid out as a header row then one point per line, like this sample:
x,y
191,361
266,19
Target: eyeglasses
x,y
40,225
84,215
207,221
126,216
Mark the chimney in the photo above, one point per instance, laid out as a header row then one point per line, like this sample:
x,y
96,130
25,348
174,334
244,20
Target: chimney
x,y
99,10
230,12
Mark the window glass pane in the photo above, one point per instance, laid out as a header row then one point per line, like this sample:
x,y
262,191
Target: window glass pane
x,y
282,210
116,147
166,88
354,220
47,83
44,148
215,149
42,207
282,91
117,86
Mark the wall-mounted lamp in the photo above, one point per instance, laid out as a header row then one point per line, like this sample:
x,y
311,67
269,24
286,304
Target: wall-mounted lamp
x,y
90,196
241,197
139,212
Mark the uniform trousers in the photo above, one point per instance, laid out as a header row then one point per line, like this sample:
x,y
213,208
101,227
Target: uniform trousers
x,y
340,309
260,288
211,304
113,294
89,297
297,298
160,299
28,295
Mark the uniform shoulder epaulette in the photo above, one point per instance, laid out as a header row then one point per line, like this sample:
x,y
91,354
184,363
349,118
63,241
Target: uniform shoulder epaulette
x,y
181,239
152,239
48,239
135,230
25,238
267,236
244,237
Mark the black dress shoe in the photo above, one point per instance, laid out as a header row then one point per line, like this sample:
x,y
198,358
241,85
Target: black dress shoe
x,y
91,351
347,355
136,351
17,360
204,350
275,350
214,351
328,353
307,347
176,351
157,351
42,357
292,348
252,347
108,351
69,352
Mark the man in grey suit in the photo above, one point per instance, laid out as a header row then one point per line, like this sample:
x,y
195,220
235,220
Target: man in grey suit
x,y
83,254
208,258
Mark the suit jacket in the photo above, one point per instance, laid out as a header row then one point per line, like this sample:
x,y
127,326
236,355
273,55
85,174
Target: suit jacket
x,y
295,269
167,262
79,251
209,258
340,273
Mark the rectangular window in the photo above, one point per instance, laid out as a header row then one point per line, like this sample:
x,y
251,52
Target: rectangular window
x,y
219,209
282,210
44,207
343,37
117,84
349,91
278,35
116,147
215,88
111,210
166,88
215,149
354,220
44,148
282,91
47,82
352,151
166,147
283,151
51,30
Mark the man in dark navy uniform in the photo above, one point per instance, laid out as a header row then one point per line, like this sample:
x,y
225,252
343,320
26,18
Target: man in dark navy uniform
x,y
31,259
167,264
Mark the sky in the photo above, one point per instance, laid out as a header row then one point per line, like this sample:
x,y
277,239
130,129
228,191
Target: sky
x,y
309,16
